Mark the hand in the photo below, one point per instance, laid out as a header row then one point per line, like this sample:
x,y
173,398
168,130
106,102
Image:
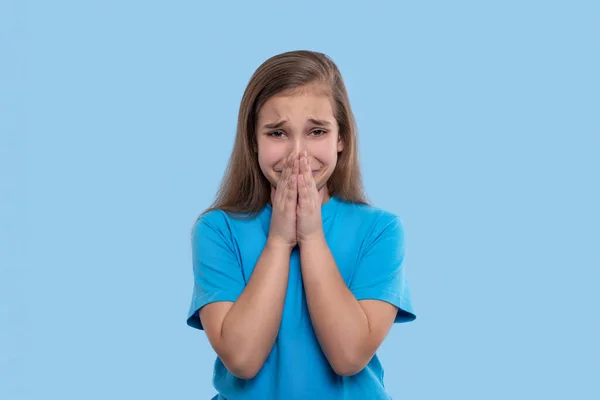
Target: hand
x,y
284,201
309,225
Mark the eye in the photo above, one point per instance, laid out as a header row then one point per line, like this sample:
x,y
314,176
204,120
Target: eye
x,y
275,134
318,132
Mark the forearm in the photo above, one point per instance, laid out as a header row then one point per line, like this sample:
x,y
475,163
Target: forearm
x,y
251,325
339,321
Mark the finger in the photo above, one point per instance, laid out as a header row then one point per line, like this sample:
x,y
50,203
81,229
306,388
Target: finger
x,y
285,173
286,178
293,173
283,180
302,191
296,165
296,168
292,194
306,172
290,167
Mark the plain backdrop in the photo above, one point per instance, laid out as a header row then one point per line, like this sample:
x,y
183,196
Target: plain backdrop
x,y
478,125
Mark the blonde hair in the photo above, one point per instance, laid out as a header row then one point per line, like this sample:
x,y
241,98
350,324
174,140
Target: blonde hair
x,y
244,190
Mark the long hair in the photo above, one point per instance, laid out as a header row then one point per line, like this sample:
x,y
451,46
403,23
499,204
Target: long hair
x,y
244,190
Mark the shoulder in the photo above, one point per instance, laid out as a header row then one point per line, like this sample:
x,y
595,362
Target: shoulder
x,y
212,224
369,227
370,218
219,222
214,219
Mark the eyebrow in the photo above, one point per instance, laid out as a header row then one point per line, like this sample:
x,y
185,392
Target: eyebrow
x,y
279,124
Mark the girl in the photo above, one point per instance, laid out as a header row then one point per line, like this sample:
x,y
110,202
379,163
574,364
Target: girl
x,y
297,279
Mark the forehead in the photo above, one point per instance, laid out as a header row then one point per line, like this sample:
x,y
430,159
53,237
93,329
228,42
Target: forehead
x,y
313,101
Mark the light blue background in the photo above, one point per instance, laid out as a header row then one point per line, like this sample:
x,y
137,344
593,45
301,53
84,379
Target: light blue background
x,y
479,126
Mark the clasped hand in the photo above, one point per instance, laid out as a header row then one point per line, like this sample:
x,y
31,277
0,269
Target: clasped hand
x,y
296,203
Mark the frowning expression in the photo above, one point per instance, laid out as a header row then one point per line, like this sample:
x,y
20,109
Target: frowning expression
x,y
294,121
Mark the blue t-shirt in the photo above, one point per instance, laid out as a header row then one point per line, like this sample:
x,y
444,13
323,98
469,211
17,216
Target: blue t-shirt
x,y
367,244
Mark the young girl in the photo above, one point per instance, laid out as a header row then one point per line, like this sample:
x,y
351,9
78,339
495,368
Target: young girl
x,y
297,279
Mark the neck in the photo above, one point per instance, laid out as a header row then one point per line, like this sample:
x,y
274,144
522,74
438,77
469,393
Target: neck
x,y
324,194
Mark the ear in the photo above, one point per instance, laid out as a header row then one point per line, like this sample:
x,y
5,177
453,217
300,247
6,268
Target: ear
x,y
340,144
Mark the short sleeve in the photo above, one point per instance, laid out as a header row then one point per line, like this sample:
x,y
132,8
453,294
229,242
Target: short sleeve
x,y
217,271
380,273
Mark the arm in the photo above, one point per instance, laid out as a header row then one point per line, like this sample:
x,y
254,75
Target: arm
x,y
243,333
349,331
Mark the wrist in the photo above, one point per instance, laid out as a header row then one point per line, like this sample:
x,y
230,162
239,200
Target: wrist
x,y
314,239
277,243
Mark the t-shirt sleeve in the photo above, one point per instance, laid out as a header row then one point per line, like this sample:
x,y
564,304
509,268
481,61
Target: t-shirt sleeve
x,y
380,273
218,274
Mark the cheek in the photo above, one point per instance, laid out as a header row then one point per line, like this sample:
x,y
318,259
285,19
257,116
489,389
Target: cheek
x,y
325,155
268,156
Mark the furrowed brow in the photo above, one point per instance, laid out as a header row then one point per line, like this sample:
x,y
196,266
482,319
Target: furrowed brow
x,y
279,124
319,122
275,125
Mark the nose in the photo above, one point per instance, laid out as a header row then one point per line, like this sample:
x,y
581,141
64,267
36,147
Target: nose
x,y
298,143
